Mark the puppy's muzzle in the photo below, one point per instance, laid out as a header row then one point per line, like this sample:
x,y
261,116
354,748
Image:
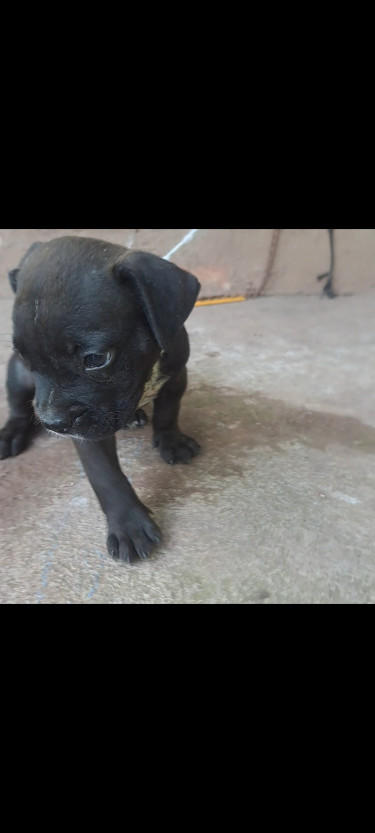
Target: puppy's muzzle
x,y
66,424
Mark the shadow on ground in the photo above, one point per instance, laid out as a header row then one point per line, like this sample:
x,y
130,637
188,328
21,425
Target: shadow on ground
x,y
226,424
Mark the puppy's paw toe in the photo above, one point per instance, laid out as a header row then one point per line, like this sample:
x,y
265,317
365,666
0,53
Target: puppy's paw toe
x,y
175,447
134,537
14,437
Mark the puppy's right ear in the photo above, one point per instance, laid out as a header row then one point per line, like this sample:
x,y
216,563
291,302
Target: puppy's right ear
x,y
13,275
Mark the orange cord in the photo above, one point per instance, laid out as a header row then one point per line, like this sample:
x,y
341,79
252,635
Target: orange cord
x,y
213,301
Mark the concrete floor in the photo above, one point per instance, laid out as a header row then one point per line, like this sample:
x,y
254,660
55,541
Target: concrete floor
x,y
279,509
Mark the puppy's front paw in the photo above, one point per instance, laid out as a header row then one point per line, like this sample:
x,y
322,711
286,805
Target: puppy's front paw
x,y
176,447
132,536
15,437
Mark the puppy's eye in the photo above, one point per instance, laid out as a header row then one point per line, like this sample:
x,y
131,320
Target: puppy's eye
x,y
98,361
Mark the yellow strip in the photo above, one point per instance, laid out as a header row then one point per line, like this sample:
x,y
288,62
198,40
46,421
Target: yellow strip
x,y
213,301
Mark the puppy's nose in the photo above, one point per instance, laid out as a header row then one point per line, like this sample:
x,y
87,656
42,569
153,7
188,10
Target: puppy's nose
x,y
65,425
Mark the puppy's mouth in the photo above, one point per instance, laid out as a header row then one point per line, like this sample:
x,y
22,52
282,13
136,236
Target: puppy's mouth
x,y
93,434
86,428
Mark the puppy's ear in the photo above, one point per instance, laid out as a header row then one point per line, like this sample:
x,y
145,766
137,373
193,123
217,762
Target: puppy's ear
x,y
167,293
13,275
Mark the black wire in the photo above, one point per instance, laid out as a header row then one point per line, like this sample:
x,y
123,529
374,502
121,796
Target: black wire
x,y
329,288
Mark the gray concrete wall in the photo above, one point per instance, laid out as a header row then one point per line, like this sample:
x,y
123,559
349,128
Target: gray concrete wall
x,y
234,261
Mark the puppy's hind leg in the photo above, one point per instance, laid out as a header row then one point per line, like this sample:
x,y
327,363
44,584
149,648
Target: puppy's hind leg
x,y
16,434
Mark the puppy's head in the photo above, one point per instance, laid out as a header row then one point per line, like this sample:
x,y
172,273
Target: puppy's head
x,y
90,321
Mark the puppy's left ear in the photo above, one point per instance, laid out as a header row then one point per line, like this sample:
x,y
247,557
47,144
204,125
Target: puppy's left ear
x,y
166,292
13,275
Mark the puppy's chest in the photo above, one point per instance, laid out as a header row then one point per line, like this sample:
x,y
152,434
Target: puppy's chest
x,y
154,385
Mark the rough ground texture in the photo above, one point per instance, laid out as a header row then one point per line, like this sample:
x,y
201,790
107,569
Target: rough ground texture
x,y
279,508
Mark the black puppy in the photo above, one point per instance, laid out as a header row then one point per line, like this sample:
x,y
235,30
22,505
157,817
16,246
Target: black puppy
x,y
98,333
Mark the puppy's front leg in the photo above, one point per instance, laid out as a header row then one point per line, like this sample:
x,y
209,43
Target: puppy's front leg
x,y
16,434
131,532
174,446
